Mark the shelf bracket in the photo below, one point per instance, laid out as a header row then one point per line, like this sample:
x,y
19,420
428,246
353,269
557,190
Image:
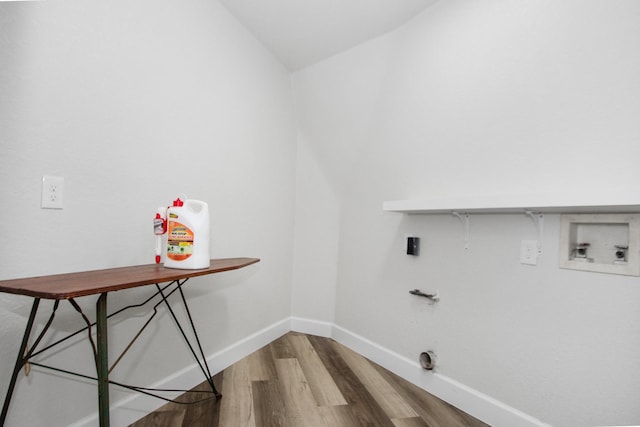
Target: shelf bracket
x,y
464,219
538,220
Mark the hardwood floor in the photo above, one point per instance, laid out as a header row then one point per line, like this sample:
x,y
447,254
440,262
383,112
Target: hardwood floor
x,y
303,380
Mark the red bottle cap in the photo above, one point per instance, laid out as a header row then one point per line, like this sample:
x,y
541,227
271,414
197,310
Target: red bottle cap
x,y
178,202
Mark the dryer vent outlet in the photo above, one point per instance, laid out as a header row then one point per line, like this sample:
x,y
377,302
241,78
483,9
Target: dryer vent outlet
x,y
428,360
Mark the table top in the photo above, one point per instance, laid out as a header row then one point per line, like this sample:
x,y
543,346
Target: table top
x,y
72,285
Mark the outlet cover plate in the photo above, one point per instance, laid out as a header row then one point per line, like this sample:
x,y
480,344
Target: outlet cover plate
x,y
529,252
52,192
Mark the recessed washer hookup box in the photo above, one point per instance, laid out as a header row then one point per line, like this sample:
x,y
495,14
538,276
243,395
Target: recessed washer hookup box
x,y
603,243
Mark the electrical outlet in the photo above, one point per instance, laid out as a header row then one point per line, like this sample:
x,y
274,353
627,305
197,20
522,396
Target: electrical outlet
x,y
529,252
52,192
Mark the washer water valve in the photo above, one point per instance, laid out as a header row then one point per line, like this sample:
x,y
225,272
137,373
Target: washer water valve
x,y
580,252
621,254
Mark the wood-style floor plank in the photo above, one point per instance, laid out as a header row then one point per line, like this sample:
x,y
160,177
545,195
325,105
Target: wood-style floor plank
x,y
162,418
365,408
410,422
300,405
322,386
303,380
262,366
268,404
392,403
338,416
236,405
281,348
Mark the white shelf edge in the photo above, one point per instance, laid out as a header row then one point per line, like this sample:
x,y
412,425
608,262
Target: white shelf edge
x,y
503,206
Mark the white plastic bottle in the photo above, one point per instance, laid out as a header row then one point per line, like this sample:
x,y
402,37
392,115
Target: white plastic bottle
x,y
187,235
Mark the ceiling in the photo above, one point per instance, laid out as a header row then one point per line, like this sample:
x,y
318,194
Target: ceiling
x,y
303,32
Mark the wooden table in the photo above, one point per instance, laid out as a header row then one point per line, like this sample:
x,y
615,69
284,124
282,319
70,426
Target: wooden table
x,y
101,282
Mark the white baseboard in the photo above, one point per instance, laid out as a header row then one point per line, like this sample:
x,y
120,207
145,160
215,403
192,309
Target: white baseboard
x,y
469,400
312,327
481,406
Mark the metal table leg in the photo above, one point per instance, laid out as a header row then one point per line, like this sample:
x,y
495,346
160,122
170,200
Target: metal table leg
x,y
20,361
204,367
102,360
100,349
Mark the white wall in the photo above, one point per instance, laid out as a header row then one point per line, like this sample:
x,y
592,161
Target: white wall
x,y
135,103
481,98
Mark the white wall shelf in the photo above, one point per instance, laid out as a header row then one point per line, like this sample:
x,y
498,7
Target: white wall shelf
x,y
514,204
534,207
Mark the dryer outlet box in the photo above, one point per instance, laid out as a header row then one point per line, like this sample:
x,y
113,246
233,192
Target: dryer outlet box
x,y
413,246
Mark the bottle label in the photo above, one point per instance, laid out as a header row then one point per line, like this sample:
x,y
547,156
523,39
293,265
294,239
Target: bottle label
x,y
180,241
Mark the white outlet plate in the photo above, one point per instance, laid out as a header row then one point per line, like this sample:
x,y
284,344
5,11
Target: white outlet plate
x,y
529,252
52,192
